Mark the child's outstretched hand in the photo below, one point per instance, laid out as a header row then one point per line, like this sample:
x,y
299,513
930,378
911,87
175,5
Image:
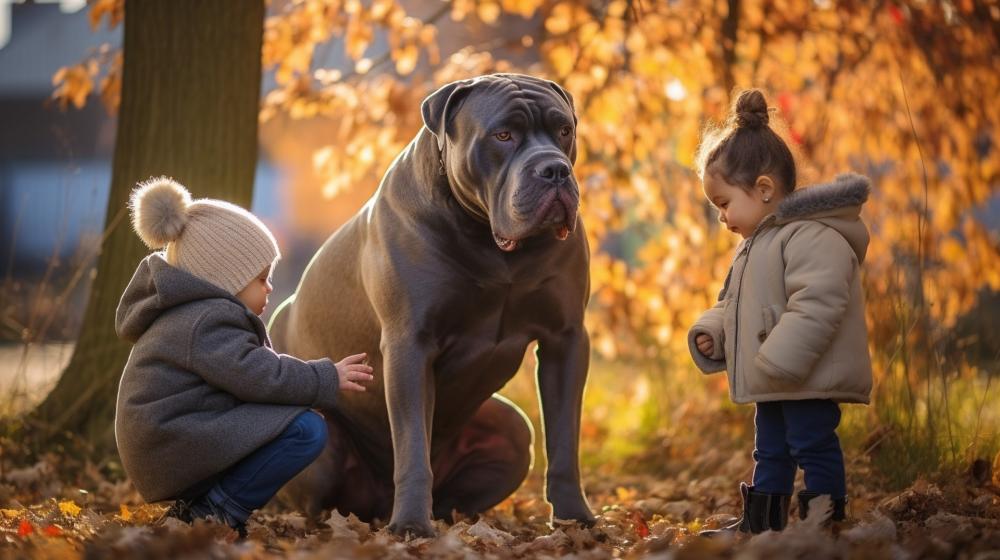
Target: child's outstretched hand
x,y
351,370
705,344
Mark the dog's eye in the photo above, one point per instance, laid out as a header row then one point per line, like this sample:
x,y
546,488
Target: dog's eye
x,y
566,130
503,136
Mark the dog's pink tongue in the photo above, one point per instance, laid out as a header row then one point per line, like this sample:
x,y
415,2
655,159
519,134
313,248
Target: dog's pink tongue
x,y
505,244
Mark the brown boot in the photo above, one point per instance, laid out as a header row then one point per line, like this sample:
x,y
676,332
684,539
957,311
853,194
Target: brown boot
x,y
761,512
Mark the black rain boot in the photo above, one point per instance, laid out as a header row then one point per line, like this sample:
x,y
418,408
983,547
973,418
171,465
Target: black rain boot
x,y
205,509
761,512
181,510
839,505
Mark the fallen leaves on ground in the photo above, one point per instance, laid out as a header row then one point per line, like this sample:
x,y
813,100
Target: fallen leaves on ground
x,y
638,517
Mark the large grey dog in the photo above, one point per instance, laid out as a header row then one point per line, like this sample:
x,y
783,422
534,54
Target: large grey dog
x,y
470,249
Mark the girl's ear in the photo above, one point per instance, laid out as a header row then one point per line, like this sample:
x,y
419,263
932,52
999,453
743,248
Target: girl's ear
x,y
766,187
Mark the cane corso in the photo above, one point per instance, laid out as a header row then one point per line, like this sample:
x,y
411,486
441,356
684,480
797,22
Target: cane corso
x,y
470,250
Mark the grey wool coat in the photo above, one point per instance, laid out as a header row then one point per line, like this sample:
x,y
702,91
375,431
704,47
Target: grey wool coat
x,y
790,323
202,387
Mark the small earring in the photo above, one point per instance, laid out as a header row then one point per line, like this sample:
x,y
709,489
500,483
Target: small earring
x,y
766,200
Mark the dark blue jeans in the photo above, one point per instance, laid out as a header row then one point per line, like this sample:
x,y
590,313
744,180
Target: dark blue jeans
x,y
793,434
252,482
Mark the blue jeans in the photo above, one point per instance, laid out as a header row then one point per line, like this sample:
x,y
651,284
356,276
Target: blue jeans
x,y
252,482
793,434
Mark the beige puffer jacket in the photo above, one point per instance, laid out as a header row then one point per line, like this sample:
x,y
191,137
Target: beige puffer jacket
x,y
790,323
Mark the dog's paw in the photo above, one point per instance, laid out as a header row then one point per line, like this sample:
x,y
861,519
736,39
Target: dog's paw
x,y
573,510
412,527
583,520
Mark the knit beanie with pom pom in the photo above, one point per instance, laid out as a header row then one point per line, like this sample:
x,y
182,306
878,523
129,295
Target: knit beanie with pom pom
x,y
212,239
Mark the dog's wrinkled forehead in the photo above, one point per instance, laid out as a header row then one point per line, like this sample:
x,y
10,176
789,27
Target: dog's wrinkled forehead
x,y
531,101
485,98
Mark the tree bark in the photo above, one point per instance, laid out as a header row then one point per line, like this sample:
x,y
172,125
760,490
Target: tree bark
x,y
730,35
190,99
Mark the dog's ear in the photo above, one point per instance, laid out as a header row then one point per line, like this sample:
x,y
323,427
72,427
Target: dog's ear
x,y
439,108
567,97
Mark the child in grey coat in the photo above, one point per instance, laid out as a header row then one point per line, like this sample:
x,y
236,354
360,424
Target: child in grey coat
x,y
207,413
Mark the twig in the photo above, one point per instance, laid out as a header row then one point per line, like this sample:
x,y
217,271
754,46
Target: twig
x,y
986,394
921,217
8,277
78,274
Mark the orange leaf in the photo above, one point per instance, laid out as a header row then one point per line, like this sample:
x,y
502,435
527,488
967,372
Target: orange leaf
x,y
52,531
488,12
25,528
114,9
69,508
560,20
641,528
406,59
60,75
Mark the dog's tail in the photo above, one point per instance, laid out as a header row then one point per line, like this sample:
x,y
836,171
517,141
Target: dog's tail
x,y
277,327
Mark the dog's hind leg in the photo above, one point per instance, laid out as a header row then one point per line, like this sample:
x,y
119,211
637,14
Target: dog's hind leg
x,y
487,462
340,478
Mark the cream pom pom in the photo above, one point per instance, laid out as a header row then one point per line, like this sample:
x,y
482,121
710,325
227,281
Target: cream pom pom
x,y
159,211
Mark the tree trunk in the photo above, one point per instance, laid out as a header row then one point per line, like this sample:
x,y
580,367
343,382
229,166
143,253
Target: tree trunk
x,y
190,98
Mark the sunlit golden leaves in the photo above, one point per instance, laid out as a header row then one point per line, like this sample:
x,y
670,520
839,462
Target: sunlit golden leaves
x,y
523,8
73,84
488,11
291,37
406,42
359,33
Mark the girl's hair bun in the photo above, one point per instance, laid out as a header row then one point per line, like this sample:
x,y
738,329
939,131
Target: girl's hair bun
x,y
159,211
751,110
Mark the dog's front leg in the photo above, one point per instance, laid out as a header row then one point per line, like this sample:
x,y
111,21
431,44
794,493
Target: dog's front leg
x,y
409,393
563,359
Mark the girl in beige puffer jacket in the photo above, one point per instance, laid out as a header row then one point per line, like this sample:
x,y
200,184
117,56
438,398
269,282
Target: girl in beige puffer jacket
x,y
789,327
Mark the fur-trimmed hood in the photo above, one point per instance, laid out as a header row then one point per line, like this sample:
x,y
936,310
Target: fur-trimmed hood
x,y
836,204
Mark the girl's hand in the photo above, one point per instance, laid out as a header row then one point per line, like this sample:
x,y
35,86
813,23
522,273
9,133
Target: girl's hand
x,y
705,344
352,369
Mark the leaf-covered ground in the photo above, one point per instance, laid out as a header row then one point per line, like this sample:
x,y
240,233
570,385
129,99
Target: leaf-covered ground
x,y
59,507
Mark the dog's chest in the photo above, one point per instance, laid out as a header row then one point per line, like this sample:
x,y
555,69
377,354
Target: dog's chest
x,y
488,328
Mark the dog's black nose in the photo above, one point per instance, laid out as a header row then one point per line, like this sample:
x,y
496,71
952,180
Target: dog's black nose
x,y
553,171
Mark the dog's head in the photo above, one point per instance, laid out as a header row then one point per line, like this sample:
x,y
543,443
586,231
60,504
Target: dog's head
x,y
507,144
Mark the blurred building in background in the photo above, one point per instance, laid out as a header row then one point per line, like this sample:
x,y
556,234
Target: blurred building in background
x,y
55,167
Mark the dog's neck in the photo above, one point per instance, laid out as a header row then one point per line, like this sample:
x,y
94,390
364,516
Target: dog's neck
x,y
432,174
